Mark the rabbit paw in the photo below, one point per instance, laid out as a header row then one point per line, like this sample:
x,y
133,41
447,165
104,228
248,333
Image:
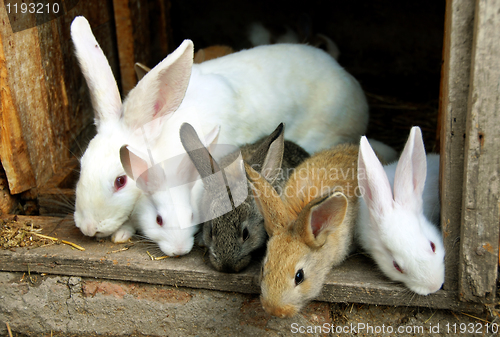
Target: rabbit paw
x,y
123,234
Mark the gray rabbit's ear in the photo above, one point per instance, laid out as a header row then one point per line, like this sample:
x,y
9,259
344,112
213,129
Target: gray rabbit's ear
x,y
270,154
200,156
186,169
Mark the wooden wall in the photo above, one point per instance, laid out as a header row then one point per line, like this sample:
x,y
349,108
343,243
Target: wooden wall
x,y
470,148
45,103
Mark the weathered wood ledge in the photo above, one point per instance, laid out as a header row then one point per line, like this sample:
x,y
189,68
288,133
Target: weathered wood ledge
x,y
357,280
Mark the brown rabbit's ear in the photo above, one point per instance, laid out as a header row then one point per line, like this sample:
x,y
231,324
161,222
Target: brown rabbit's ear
x,y
320,218
268,201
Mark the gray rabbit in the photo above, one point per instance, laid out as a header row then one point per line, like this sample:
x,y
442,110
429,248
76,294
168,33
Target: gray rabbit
x,y
233,237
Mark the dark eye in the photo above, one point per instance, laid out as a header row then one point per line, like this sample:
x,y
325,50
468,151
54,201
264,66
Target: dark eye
x,y
159,220
299,277
120,182
398,268
245,234
433,246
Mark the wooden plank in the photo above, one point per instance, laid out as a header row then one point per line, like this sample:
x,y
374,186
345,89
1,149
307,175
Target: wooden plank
x,y
452,119
7,201
142,30
357,280
480,209
57,196
13,149
125,40
44,101
27,83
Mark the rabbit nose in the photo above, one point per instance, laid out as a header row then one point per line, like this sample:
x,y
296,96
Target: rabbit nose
x,y
89,228
281,311
182,251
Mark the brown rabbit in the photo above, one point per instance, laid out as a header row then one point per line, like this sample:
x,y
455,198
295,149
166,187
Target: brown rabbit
x,y
310,227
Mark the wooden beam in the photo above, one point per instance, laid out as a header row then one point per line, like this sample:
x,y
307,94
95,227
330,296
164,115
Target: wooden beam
x,y
452,119
125,41
356,280
481,190
13,149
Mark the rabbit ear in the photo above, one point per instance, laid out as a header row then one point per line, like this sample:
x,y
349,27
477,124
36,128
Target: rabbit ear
x,y
373,182
270,154
187,169
272,208
202,159
148,179
133,165
320,218
160,92
411,171
97,72
140,70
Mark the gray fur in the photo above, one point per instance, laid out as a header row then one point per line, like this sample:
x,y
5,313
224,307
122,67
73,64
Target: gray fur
x,y
223,236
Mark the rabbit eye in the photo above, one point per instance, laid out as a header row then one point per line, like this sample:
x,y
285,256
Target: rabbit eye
x,y
433,246
299,277
246,234
159,220
120,182
398,268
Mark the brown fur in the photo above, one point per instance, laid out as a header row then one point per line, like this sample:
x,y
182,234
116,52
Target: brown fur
x,y
314,185
212,52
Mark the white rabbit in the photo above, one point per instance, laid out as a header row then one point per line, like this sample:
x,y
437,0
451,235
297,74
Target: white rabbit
x,y
164,212
247,93
400,230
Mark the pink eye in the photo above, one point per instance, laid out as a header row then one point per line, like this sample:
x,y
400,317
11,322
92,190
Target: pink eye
x,y
398,268
433,246
120,182
159,220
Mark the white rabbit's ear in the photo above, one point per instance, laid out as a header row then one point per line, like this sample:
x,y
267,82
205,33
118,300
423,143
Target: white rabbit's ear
x,y
97,72
411,172
373,182
140,70
160,92
322,218
133,164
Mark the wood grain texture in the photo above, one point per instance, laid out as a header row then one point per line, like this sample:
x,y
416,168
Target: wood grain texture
x,y
480,203
452,119
142,31
125,40
356,280
13,149
45,102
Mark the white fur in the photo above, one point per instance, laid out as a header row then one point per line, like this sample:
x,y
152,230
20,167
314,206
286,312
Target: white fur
x,y
167,193
399,227
248,93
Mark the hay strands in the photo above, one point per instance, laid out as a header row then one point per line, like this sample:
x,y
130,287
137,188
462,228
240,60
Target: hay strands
x,y
74,245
